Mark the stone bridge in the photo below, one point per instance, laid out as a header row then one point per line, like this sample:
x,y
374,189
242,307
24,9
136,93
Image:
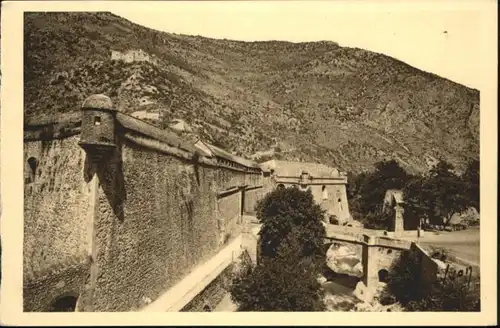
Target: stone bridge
x,y
377,253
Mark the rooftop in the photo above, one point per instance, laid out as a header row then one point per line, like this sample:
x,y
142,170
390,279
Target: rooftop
x,y
295,169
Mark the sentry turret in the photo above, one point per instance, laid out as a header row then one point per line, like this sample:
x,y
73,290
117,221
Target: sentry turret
x,y
97,135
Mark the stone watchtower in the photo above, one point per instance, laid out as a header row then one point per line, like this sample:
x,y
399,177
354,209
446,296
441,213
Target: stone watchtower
x,y
97,136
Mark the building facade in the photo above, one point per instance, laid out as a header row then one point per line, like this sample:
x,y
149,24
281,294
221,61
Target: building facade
x,y
327,184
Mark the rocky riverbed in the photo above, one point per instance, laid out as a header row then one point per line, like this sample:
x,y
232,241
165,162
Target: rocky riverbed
x,y
341,298
344,290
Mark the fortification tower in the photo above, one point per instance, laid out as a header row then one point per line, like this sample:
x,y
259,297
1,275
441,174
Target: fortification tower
x,y
97,136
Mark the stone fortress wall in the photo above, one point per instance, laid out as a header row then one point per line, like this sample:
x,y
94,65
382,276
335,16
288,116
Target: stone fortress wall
x,y
57,204
118,211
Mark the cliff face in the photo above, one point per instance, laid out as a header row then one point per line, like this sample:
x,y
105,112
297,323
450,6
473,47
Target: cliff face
x,y
314,101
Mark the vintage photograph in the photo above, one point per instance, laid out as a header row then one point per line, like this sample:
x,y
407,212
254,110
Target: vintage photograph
x,y
323,164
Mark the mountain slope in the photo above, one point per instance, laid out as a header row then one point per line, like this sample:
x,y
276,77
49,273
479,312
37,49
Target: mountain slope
x,y
313,101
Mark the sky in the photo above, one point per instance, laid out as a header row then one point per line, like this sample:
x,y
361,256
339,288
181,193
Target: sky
x,y
445,40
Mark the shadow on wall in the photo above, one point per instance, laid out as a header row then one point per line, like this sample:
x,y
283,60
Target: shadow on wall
x,y
109,169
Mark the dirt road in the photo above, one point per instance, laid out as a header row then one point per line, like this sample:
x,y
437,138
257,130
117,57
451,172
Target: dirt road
x,y
463,244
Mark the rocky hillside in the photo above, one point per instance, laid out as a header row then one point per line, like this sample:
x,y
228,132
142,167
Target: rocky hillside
x,y
313,101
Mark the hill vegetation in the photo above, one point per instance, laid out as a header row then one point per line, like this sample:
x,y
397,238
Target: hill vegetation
x,y
312,101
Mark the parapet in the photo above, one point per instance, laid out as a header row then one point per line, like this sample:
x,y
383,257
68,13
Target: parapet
x,y
231,160
369,240
315,173
100,125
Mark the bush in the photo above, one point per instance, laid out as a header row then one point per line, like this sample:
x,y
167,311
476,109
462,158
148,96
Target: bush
x,y
441,254
446,297
404,286
404,279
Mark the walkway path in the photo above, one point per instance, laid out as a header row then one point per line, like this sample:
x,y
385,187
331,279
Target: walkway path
x,y
463,244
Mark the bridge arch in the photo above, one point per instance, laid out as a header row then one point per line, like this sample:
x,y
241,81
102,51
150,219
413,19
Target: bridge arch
x,y
64,303
383,275
377,254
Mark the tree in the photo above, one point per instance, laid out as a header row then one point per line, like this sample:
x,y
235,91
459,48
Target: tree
x,y
443,193
378,220
471,179
387,175
292,255
283,283
418,203
366,192
284,209
439,195
355,181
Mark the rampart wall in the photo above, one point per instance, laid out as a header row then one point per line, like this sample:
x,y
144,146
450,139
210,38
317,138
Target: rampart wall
x,y
56,223
118,211
251,197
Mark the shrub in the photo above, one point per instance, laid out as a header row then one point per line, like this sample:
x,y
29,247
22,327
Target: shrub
x,y
448,296
405,286
404,279
441,254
